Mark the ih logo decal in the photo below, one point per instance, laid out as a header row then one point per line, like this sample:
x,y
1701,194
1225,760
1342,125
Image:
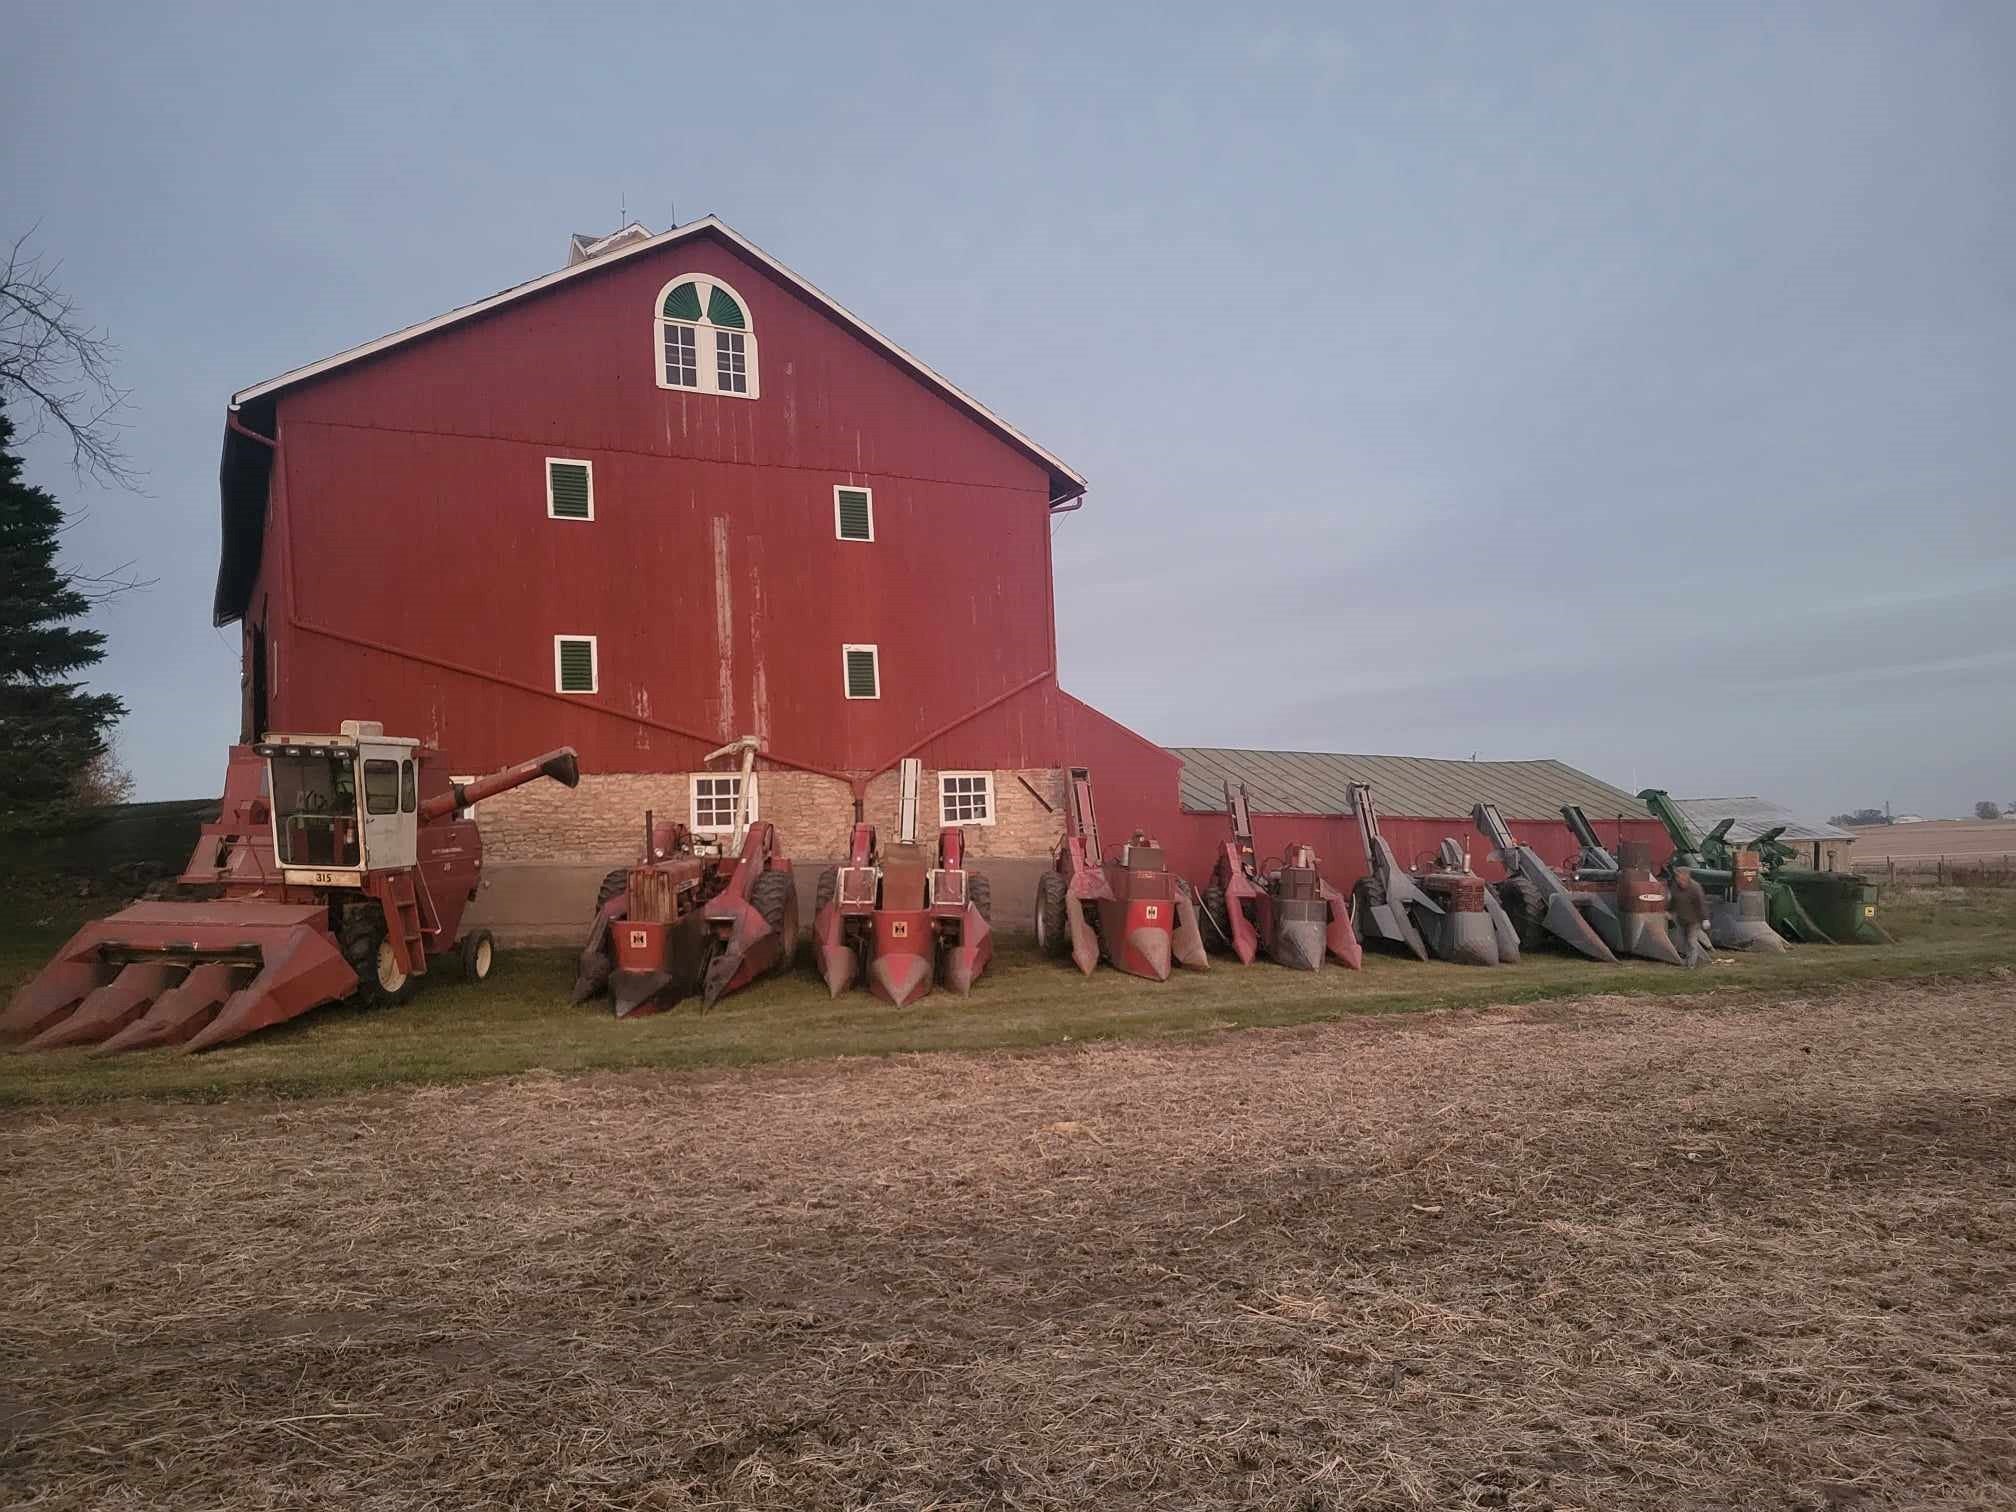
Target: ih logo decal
x,y
899,929
640,939
1152,912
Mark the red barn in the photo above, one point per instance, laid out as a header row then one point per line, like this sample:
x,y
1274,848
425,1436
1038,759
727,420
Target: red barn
x,y
668,495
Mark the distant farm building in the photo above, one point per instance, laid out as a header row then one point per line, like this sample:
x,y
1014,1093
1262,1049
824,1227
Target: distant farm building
x,y
1822,846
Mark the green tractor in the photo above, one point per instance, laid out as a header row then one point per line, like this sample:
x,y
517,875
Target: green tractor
x,y
1818,908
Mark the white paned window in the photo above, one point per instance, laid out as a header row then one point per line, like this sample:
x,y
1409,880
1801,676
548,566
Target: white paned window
x,y
965,797
706,339
861,671
714,796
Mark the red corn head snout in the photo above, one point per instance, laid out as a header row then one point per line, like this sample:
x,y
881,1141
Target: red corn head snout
x,y
966,955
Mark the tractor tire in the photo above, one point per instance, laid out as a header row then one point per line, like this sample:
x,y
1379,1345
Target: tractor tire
x,y
1368,894
479,955
771,895
980,893
1053,923
1524,906
617,881
827,890
380,983
1217,918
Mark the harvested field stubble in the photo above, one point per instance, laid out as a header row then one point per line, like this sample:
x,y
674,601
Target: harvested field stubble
x,y
1622,1252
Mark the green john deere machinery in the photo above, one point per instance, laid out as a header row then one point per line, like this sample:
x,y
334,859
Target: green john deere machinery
x,y
1739,906
1842,904
1820,908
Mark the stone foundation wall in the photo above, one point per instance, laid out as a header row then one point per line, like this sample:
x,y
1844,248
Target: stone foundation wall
x,y
602,821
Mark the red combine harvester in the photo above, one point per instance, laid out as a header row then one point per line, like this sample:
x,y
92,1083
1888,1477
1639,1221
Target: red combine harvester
x,y
1140,916
1445,911
686,919
1290,911
890,915
338,866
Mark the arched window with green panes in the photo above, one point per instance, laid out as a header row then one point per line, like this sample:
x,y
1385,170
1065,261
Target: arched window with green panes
x,y
706,340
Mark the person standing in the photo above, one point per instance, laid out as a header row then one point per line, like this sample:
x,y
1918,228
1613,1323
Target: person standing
x,y
1688,905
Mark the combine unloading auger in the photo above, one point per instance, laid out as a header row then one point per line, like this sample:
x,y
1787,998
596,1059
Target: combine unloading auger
x,y
1536,900
325,875
1623,900
1131,912
1289,912
686,921
1446,912
1738,912
893,916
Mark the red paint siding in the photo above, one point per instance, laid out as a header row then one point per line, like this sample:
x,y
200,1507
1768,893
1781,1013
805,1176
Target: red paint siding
x,y
412,491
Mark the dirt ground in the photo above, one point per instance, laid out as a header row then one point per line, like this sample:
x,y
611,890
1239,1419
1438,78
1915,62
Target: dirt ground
x,y
1620,1253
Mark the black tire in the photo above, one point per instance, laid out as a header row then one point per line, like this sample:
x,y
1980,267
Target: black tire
x,y
479,956
1217,918
1523,905
980,893
827,890
362,940
772,896
616,882
1053,924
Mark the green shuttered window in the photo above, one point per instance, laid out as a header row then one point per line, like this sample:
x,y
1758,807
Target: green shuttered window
x,y
570,489
682,302
574,669
854,514
722,309
863,671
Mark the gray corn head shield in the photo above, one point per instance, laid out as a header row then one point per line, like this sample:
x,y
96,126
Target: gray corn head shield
x,y
1742,922
1392,917
1559,915
1501,926
1468,939
1299,925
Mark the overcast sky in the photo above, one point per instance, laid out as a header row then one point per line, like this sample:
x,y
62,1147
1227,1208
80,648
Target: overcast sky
x,y
1627,384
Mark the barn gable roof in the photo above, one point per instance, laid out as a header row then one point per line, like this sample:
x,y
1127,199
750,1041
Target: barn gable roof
x,y
1753,816
1410,787
1065,484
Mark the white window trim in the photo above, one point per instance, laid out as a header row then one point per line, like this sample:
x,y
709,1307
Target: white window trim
x,y
594,667
581,462
703,329
693,780
840,488
846,686
987,778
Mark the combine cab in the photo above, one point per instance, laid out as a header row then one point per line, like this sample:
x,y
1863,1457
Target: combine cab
x,y
891,915
339,865
1445,911
1131,912
1619,895
1739,913
1288,911
1536,901
688,920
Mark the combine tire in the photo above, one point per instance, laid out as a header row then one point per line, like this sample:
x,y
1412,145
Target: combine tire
x,y
617,881
770,895
380,982
1217,918
1523,905
1053,924
479,954
828,889
980,893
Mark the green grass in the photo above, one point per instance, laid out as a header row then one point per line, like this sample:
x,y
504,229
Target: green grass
x,y
520,1020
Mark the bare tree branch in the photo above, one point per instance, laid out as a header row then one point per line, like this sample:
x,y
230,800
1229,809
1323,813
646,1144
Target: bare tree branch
x,y
61,366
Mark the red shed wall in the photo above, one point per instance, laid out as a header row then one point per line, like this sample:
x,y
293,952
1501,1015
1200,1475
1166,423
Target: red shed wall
x,y
427,583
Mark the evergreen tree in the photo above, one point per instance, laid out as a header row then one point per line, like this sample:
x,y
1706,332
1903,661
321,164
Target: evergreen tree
x,y
51,730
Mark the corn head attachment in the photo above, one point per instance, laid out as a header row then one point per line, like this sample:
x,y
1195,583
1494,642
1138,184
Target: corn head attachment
x,y
692,917
892,915
337,867
1130,912
1739,914
1618,894
1445,911
1535,900
1839,906
1286,910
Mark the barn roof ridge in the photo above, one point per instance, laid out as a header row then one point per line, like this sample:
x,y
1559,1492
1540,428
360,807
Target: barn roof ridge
x,y
1065,483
